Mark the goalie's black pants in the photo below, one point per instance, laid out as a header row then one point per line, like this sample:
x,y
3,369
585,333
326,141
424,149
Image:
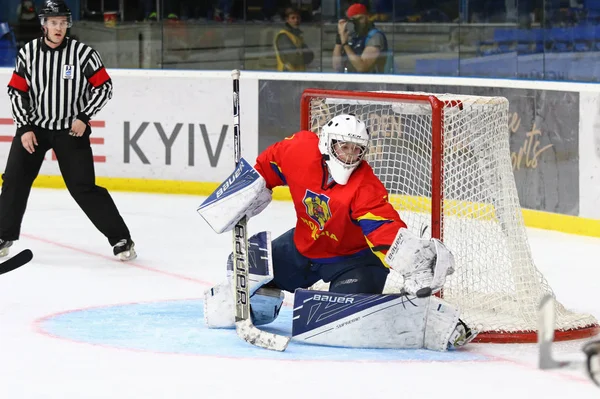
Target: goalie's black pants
x,y
76,163
361,274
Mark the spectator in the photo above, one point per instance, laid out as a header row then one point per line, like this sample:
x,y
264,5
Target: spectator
x,y
222,12
28,26
360,46
290,50
26,11
145,8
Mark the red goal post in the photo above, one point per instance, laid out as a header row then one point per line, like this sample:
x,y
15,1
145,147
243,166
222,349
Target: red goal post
x,y
445,160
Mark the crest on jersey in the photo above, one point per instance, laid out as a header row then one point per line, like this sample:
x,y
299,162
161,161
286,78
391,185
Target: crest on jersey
x,y
67,71
317,207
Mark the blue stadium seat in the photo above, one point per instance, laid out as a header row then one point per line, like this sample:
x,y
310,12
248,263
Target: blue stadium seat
x,y
561,39
584,37
505,38
596,46
539,40
523,41
437,67
592,8
8,46
577,66
500,65
503,42
425,66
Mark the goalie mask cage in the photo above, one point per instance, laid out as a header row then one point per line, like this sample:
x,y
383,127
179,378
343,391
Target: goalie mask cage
x,y
446,163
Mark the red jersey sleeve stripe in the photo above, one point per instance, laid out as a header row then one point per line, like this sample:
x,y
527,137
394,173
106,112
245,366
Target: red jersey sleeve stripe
x,y
99,78
19,83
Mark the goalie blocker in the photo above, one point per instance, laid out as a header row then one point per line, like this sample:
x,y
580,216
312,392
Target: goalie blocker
x,y
243,193
348,320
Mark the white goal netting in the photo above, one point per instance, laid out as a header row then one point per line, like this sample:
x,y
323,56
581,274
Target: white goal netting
x,y
469,192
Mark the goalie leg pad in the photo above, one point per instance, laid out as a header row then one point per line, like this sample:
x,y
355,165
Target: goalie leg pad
x,y
219,300
265,305
244,193
218,306
260,261
372,321
442,320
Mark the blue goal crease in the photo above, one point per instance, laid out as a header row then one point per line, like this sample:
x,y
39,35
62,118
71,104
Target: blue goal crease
x,y
178,327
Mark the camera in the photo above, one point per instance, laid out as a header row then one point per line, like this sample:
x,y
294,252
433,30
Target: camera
x,y
350,27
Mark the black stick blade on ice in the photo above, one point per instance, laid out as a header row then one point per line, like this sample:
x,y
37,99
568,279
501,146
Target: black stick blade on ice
x,y
16,261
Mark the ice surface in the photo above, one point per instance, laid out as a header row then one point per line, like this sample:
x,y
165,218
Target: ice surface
x,y
77,323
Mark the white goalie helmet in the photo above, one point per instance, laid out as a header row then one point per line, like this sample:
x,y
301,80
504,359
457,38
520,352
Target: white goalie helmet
x,y
344,142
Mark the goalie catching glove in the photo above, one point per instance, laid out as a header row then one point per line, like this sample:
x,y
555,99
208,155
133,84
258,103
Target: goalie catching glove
x,y
244,193
423,263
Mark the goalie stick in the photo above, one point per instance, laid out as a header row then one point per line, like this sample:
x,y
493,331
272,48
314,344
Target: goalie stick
x,y
16,261
546,361
243,322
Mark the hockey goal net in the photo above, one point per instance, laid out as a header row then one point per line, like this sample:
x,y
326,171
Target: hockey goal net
x,y
445,161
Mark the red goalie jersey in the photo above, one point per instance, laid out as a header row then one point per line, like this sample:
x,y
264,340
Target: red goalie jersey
x,y
334,221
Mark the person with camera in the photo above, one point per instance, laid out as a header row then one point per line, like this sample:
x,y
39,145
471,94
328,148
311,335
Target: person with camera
x,y
360,46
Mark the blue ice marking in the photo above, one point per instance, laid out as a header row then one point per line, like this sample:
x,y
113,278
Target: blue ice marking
x,y
178,327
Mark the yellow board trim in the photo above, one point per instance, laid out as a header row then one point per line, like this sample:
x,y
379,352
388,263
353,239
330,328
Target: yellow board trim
x,y
564,223
535,219
152,186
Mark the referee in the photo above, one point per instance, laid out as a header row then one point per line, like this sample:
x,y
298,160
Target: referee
x,y
58,85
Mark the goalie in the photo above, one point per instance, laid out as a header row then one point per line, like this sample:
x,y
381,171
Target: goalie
x,y
346,234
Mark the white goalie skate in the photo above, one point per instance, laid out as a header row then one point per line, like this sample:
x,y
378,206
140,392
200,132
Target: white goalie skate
x,y
462,335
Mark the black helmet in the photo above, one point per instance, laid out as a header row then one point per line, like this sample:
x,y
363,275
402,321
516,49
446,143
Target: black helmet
x,y
55,8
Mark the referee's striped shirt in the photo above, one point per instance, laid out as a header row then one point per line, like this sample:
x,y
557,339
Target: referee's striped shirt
x,y
50,88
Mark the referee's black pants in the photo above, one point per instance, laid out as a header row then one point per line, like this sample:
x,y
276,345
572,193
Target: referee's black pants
x,y
75,159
